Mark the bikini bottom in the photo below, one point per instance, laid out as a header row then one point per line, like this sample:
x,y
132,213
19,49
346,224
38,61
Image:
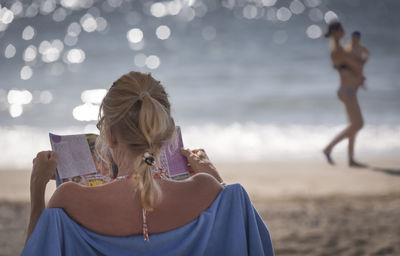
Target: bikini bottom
x,y
346,93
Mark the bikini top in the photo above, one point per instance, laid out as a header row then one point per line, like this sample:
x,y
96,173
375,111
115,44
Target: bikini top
x,y
157,174
342,67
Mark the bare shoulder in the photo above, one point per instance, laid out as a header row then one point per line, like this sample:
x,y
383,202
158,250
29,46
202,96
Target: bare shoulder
x,y
61,195
64,194
199,191
205,185
183,201
71,195
205,179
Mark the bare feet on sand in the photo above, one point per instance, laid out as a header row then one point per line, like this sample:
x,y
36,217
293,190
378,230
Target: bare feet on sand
x,y
355,164
327,154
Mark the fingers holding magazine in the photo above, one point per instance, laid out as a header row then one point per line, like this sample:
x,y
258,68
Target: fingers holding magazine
x,y
44,166
198,162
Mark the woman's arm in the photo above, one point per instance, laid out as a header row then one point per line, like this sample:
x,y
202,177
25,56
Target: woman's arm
x,y
343,57
44,166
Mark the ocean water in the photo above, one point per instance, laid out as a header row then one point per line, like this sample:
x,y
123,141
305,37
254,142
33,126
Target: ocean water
x,y
246,80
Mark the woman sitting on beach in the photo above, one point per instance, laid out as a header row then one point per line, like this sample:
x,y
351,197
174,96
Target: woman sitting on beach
x,y
351,78
198,216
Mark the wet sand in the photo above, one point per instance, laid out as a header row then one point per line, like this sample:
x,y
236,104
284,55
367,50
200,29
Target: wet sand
x,y
309,207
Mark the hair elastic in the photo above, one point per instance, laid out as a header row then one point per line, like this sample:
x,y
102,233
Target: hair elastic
x,y
143,94
148,158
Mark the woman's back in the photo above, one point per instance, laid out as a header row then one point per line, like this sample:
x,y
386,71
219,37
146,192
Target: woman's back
x,y
230,226
115,209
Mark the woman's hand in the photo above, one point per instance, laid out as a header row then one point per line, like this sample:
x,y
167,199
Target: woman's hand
x,y
199,162
44,166
362,82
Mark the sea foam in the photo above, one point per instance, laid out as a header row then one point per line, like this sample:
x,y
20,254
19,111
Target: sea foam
x,y
237,142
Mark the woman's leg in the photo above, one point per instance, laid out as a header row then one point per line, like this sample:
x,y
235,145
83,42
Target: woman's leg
x,y
342,135
356,123
352,139
346,133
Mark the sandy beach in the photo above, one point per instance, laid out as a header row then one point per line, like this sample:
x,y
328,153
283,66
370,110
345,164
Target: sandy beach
x,y
309,207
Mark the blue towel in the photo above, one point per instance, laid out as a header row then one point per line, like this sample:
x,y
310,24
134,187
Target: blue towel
x,y
230,226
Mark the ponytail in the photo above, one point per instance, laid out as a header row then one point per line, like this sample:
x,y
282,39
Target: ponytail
x,y
137,110
150,191
153,119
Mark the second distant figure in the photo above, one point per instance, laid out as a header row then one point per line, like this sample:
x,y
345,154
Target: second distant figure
x,y
349,63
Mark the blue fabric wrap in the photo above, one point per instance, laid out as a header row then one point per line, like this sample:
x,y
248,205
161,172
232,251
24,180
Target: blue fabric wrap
x,y
230,226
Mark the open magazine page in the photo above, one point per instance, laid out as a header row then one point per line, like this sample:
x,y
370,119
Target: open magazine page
x,y
76,159
171,159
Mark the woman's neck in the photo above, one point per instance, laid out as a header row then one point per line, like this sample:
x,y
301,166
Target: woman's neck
x,y
336,42
126,161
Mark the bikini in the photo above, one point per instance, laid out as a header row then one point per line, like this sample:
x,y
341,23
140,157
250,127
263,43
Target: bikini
x,y
157,174
350,92
342,67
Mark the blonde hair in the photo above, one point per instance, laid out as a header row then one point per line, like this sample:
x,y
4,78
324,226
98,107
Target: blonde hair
x,y
137,110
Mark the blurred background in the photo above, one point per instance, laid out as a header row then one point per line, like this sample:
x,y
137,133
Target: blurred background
x,y
251,81
248,77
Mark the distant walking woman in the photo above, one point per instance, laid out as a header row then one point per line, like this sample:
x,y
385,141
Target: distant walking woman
x,y
351,78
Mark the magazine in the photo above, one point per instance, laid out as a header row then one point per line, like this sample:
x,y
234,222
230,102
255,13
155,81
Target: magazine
x,y
171,159
77,160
